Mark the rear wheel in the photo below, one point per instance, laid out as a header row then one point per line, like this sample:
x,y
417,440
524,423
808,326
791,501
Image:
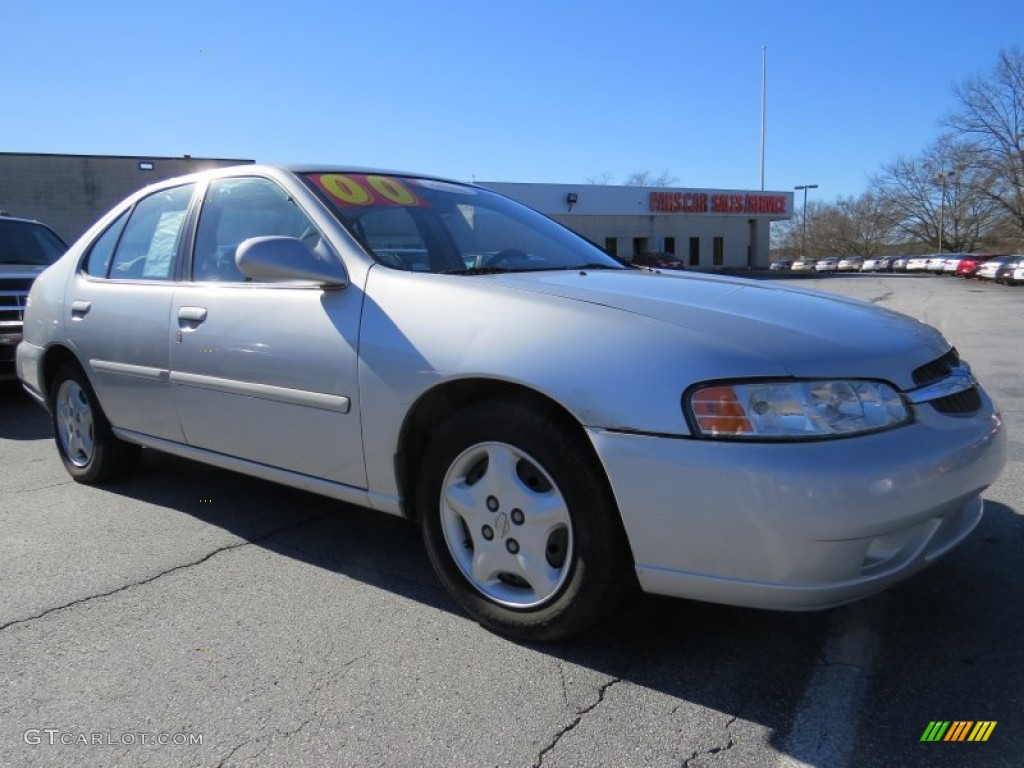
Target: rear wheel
x,y
87,446
520,524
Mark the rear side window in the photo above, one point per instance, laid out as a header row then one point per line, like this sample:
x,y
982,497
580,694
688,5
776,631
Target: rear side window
x,y
98,262
150,240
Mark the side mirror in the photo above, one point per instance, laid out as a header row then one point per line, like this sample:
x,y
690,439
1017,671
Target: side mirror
x,y
287,258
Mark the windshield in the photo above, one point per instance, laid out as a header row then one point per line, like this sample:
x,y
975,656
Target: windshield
x,y
424,225
24,242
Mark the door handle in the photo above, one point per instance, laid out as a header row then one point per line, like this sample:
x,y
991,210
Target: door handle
x,y
191,316
80,309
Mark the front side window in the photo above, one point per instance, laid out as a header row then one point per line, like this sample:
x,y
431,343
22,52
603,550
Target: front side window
x,y
425,225
236,209
150,240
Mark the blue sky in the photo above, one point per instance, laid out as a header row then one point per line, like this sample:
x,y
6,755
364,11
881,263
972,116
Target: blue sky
x,y
527,91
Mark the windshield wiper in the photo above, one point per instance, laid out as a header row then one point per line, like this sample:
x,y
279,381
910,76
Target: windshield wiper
x,y
477,271
591,265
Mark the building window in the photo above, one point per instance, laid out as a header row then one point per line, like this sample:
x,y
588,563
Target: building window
x,y
718,251
640,246
694,251
611,244
670,245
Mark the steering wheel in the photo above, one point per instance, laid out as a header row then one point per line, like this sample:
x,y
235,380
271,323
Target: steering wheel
x,y
508,256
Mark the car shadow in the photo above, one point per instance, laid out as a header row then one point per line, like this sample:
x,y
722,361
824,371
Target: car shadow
x,y
20,417
748,664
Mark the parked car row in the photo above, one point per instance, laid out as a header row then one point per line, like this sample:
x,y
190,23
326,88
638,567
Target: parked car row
x,y
658,260
1002,268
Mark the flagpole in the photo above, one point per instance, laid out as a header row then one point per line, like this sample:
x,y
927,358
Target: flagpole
x,y
764,91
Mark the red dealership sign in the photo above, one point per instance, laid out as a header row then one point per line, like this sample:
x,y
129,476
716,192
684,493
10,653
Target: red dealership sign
x,y
704,202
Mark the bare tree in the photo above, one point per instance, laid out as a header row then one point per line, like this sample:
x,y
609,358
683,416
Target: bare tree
x,y
938,197
990,122
866,228
600,179
850,226
785,238
648,179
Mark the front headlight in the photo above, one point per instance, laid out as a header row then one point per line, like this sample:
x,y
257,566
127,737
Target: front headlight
x,y
787,410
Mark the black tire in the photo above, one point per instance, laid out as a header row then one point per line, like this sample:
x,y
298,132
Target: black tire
x,y
87,446
570,520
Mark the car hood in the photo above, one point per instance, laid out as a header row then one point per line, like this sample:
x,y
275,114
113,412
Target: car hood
x,y
808,333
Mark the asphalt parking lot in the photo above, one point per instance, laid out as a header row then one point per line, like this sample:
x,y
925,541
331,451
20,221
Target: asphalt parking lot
x,y
191,616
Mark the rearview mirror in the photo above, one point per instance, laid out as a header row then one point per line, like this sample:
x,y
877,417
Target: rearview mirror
x,y
287,258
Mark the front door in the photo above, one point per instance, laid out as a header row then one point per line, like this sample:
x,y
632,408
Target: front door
x,y
265,371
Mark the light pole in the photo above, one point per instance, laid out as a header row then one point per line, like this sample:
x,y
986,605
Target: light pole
x,y
942,203
803,240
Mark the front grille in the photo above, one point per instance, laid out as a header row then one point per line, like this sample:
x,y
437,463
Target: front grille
x,y
12,309
968,401
21,284
13,298
937,369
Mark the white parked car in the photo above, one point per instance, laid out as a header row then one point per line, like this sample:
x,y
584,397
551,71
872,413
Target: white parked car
x,y
918,263
562,427
990,268
850,264
953,262
829,264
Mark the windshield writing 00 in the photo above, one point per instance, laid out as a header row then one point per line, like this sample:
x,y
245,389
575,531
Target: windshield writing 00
x,y
425,225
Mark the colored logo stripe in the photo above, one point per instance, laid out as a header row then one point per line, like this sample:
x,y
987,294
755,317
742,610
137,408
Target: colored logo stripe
x,y
982,730
958,730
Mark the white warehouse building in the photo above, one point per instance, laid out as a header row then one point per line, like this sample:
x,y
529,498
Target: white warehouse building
x,y
706,228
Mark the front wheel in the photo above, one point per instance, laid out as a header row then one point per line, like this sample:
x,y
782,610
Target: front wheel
x,y
520,524
87,446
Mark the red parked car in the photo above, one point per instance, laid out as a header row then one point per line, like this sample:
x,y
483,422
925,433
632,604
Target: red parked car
x,y
659,260
968,265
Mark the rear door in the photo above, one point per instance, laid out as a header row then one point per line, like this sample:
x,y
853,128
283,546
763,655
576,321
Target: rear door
x,y
118,309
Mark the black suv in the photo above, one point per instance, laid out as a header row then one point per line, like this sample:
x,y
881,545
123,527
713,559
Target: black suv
x,y
26,249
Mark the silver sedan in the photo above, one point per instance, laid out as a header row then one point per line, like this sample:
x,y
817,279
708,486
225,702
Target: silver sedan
x,y
564,428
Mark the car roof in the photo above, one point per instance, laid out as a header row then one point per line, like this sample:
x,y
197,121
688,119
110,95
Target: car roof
x,y
250,169
8,217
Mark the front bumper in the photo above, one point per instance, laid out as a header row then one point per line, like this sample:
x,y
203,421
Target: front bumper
x,y
28,361
9,340
800,526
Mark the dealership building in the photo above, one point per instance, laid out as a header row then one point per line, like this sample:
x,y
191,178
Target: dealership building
x,y
706,228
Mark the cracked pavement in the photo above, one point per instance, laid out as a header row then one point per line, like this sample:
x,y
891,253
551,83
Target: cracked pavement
x,y
292,630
